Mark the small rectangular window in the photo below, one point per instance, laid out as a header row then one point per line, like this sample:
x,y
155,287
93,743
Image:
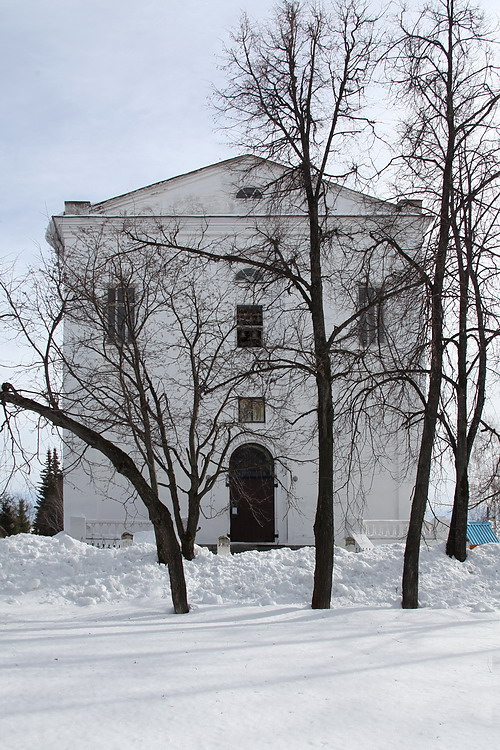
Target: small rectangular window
x,y
371,320
251,409
249,325
120,312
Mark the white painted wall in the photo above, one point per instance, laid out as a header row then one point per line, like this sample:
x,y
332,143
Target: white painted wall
x,y
203,208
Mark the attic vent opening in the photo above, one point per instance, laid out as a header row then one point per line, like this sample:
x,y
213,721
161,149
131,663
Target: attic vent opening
x,y
249,192
248,274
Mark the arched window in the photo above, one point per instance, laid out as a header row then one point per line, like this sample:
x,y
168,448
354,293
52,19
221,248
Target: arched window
x,y
248,274
249,192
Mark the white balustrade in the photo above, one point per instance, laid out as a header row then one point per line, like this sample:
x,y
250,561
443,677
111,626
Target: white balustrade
x,y
110,533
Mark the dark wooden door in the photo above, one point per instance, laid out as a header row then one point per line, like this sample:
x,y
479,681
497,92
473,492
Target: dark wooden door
x,y
251,483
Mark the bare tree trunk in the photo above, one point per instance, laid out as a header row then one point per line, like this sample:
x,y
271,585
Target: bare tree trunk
x,y
470,272
169,554
421,492
284,77
419,504
167,545
451,87
188,537
456,545
324,521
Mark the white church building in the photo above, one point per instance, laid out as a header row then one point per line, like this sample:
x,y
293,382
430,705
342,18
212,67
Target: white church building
x,y
197,365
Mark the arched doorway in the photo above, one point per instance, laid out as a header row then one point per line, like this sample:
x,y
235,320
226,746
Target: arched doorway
x,y
251,489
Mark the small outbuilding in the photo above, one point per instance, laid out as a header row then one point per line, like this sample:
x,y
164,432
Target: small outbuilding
x,y
480,532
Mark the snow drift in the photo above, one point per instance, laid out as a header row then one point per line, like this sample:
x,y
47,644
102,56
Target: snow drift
x,y
61,569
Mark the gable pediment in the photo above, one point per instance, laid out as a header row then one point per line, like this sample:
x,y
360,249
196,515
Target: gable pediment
x,y
211,190
242,186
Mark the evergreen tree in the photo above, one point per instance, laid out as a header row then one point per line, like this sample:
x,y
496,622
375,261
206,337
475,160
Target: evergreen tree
x,y
49,507
14,516
23,523
7,516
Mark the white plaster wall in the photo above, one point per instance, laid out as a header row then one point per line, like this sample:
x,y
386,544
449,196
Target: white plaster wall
x,y
205,201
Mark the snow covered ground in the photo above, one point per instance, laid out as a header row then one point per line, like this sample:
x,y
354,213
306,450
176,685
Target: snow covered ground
x,y
91,656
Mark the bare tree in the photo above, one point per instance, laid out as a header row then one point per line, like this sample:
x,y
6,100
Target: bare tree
x,y
475,222
98,370
166,541
160,369
149,377
485,476
169,381
296,87
295,93
446,79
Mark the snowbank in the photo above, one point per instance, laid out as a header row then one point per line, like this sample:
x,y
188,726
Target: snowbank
x,y
62,570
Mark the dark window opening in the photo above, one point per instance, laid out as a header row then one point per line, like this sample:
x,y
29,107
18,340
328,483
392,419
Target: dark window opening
x,y
251,409
120,312
371,321
249,325
249,192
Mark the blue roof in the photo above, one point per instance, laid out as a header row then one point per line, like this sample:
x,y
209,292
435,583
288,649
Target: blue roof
x,y
480,532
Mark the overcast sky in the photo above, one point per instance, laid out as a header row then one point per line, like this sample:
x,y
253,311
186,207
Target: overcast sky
x,y
100,97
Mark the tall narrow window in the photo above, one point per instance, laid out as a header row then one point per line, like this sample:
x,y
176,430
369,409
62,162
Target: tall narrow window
x,y
371,321
251,409
249,325
120,312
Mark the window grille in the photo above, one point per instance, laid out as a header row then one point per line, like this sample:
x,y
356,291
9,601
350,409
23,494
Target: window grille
x,y
249,192
371,321
120,312
249,325
251,409
248,274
